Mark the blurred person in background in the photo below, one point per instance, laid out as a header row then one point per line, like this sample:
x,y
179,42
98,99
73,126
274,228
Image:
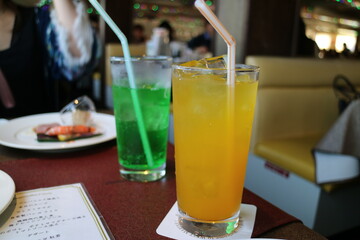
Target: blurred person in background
x,y
165,24
345,52
201,44
177,49
40,47
138,34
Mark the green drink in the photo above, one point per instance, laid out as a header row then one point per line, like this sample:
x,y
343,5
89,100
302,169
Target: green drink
x,y
155,109
142,131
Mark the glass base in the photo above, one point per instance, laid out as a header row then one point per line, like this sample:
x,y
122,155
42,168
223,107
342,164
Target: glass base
x,y
143,175
212,229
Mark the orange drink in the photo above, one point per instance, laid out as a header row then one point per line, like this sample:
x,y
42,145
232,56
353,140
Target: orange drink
x,y
212,127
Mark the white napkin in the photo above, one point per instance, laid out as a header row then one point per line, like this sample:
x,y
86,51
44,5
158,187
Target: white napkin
x,y
169,227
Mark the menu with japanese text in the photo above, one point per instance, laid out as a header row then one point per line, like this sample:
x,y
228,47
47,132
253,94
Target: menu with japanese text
x,y
63,212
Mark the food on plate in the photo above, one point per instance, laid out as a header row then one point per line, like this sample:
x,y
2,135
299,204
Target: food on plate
x,y
56,132
65,130
80,111
81,117
43,128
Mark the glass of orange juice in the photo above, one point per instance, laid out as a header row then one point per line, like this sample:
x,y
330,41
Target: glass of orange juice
x,y
212,128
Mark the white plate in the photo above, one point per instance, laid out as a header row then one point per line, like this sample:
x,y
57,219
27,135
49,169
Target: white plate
x,y
7,190
18,133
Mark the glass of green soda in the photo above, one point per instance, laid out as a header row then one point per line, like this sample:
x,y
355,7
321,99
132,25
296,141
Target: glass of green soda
x,y
142,127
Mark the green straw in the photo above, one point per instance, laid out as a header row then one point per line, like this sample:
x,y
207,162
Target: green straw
x,y
130,71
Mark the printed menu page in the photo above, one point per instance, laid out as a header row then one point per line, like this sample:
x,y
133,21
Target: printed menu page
x,y
63,212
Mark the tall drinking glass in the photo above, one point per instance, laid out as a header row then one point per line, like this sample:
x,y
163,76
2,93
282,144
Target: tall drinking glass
x,y
212,124
153,83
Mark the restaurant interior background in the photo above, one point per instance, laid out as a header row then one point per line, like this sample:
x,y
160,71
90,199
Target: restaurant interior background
x,y
292,28
260,27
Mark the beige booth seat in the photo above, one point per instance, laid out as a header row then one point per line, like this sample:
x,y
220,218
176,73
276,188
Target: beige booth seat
x,y
296,106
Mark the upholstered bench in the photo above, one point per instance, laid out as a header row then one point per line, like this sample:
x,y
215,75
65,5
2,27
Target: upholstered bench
x,y
296,105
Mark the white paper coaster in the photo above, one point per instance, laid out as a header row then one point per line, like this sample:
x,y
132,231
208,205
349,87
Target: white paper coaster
x,y
170,228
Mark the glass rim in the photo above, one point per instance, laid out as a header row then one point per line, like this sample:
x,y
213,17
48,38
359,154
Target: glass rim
x,y
238,68
116,59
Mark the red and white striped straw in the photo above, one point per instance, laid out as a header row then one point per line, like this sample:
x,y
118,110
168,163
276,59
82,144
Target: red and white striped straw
x,y
228,38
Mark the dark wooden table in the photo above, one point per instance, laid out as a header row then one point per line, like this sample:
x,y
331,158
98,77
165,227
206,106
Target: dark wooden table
x,y
132,210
